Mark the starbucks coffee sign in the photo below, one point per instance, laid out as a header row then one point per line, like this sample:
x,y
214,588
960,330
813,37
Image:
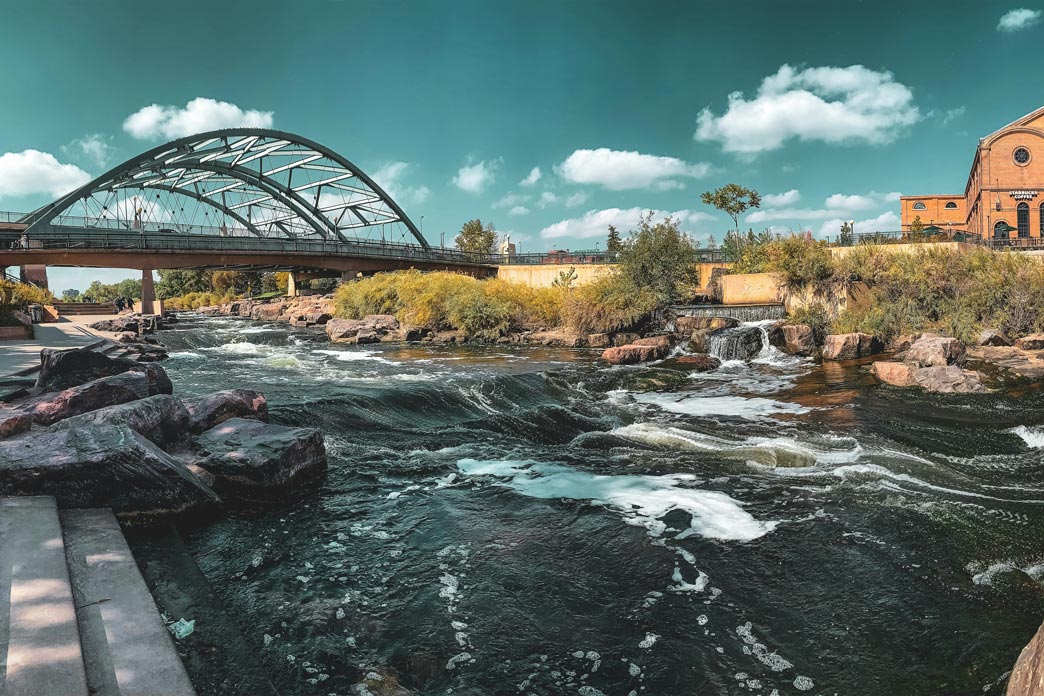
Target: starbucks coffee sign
x,y
1023,195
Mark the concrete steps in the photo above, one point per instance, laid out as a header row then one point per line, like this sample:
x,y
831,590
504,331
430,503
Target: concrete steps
x,y
39,637
76,617
89,308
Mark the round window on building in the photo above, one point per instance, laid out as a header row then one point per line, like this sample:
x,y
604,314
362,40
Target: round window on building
x,y
951,206
1021,155
919,206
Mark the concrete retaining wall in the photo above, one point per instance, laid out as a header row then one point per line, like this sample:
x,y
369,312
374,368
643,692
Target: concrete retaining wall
x,y
544,275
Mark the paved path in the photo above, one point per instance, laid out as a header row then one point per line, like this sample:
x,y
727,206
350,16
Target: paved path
x,y
19,356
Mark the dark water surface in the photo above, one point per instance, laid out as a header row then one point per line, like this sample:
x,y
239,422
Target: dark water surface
x,y
529,521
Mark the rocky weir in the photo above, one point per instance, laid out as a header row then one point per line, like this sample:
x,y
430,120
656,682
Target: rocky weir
x,y
98,431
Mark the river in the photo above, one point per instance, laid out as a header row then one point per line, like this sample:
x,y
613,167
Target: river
x,y
530,521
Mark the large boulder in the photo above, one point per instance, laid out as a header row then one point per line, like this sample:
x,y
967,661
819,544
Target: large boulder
x,y
740,343
1031,342
51,407
267,312
948,380
989,337
162,419
60,369
213,409
250,456
897,374
1027,679
1024,364
699,362
598,340
344,330
686,325
850,346
799,339
632,354
101,466
931,350
699,341
381,322
662,342
14,421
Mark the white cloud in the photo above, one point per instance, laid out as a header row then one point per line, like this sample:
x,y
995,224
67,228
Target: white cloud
x,y
94,147
620,170
1014,20
475,178
547,198
533,177
828,104
390,178
885,222
199,115
834,205
595,223
578,198
510,200
786,198
519,210
951,114
31,172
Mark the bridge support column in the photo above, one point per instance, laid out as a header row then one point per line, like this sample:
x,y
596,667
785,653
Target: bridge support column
x,y
291,284
35,274
148,293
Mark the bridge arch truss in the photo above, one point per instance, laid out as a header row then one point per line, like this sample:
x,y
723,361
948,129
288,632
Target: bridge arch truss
x,y
241,182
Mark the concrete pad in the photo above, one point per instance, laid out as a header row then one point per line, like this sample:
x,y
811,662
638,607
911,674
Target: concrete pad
x,y
24,355
127,649
39,641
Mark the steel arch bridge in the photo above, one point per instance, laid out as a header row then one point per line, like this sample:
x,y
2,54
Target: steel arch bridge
x,y
241,182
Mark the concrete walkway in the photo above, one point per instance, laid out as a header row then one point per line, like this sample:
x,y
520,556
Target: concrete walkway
x,y
17,357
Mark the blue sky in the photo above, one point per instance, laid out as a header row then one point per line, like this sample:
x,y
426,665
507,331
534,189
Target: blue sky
x,y
551,119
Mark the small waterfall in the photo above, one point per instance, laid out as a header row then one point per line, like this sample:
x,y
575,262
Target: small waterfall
x,y
738,312
744,342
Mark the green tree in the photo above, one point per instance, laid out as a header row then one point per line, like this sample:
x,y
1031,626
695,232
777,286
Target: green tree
x,y
129,287
70,295
613,243
732,199
917,225
177,282
476,238
661,258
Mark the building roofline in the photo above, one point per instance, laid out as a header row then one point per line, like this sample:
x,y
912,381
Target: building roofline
x,y
935,195
1019,121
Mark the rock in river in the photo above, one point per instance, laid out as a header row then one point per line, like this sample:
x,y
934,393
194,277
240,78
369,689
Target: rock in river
x,y
251,456
52,407
100,466
207,411
849,346
162,419
60,369
931,350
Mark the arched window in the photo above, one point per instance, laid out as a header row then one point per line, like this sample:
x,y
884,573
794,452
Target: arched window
x,y
951,206
1000,230
1023,214
919,206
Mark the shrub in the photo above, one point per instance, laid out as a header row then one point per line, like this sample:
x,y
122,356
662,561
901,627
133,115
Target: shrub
x,y
660,258
486,309
610,303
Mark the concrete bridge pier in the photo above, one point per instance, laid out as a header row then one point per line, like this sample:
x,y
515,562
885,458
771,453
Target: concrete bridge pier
x,y
291,284
148,293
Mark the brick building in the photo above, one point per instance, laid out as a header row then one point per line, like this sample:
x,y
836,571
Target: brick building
x,y
1004,196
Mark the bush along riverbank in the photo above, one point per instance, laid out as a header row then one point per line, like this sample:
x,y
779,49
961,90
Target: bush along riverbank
x,y
101,431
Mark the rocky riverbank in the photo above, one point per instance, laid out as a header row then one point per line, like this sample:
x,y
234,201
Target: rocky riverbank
x,y
98,431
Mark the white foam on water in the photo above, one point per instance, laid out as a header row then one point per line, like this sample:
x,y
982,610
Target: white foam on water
x,y
881,474
283,362
986,576
238,348
354,355
774,451
640,499
1033,437
735,406
184,354
256,330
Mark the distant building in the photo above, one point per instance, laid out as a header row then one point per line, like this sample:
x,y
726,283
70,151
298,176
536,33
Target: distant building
x,y
1004,196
